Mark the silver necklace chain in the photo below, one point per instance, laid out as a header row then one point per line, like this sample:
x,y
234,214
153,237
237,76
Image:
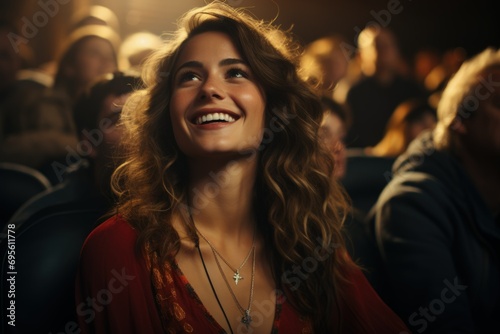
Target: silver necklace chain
x,y
246,319
236,276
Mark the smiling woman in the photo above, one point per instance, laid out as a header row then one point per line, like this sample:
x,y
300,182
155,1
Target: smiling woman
x,y
227,219
210,85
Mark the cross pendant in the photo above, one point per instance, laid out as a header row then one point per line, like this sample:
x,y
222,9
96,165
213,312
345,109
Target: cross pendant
x,y
246,319
237,277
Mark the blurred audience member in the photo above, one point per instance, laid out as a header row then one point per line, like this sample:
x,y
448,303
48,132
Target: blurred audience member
x,y
97,115
11,64
451,61
332,132
408,120
43,131
96,15
136,48
437,79
10,60
384,84
437,223
325,63
424,61
91,51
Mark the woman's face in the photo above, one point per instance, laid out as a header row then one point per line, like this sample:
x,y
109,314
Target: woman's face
x,y
217,108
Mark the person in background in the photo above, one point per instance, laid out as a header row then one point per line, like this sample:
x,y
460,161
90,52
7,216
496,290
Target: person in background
x,y
332,131
425,60
217,214
91,51
438,77
96,15
10,66
87,177
437,223
97,116
41,132
136,48
384,84
325,62
410,118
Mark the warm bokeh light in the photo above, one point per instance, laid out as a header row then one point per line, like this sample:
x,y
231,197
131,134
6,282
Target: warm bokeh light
x,y
441,25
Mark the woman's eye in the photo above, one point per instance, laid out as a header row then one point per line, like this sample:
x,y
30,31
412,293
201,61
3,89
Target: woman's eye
x,y
188,76
237,73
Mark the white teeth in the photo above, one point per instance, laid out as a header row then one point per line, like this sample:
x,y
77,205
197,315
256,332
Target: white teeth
x,y
214,117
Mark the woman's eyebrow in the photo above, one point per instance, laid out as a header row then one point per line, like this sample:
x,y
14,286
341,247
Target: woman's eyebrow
x,y
192,63
223,62
232,61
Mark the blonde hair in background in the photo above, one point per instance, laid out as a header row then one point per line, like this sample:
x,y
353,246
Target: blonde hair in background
x,y
459,99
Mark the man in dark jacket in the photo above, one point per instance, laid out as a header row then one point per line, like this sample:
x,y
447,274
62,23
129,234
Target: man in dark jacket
x,y
437,223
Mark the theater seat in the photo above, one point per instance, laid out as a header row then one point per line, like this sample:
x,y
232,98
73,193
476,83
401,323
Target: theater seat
x,y
366,176
18,184
47,255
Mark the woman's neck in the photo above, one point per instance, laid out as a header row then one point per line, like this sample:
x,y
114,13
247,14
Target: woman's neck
x,y
221,197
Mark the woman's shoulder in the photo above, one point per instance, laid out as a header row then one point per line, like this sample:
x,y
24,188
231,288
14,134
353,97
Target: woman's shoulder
x,y
115,229
363,309
113,239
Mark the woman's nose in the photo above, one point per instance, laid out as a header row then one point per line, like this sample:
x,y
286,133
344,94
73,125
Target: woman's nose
x,y
212,88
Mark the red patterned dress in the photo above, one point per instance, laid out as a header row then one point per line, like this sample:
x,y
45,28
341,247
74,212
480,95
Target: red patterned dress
x,y
117,292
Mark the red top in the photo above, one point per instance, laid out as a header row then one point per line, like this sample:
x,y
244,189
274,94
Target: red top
x,y
117,292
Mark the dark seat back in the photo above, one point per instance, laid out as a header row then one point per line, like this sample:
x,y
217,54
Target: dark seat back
x,y
365,179
47,255
18,184
366,176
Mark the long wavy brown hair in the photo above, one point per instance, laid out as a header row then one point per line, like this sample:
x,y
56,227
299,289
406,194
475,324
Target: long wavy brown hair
x,y
300,208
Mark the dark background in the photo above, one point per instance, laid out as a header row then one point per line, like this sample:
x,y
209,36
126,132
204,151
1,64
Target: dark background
x,y
439,24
